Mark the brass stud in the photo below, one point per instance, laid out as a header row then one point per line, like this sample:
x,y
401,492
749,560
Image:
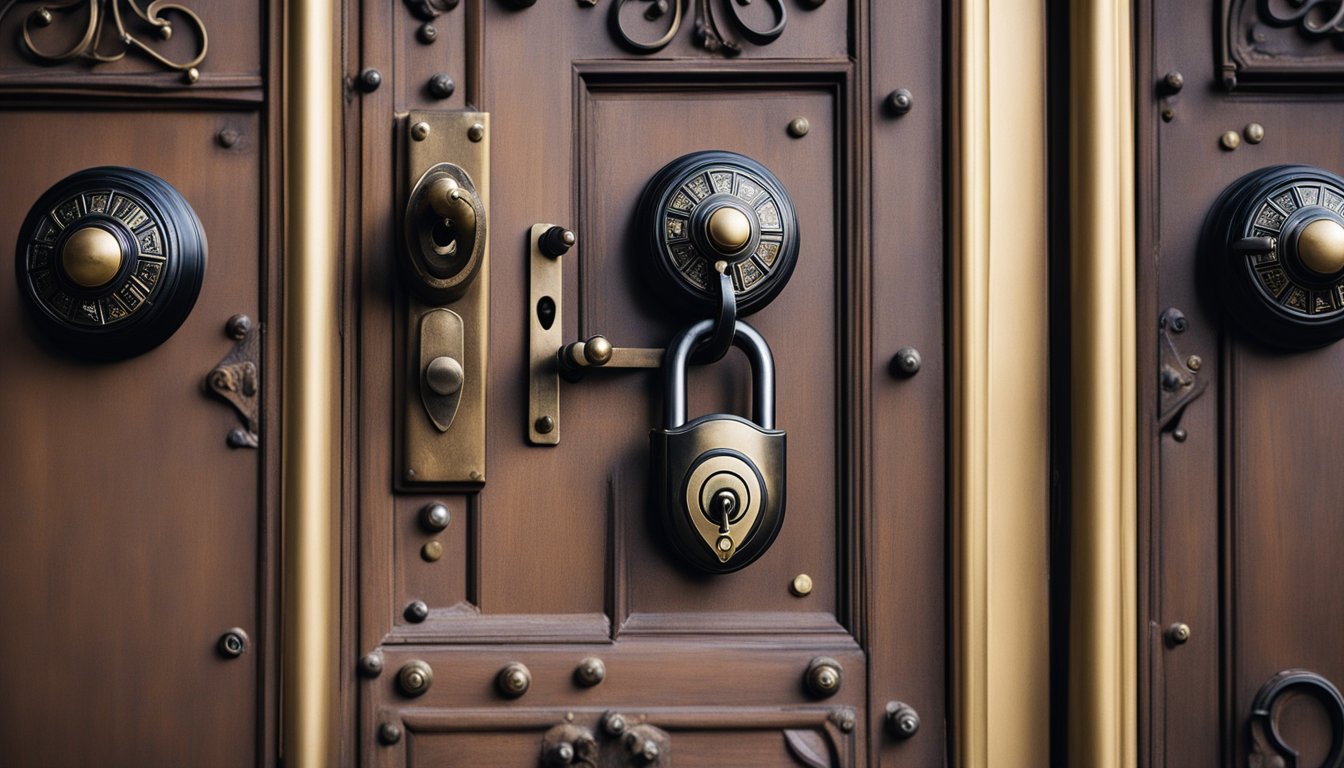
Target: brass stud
x,y
91,257
435,517
1320,247
905,363
614,723
420,131
590,672
1178,633
1173,82
166,32
192,75
1194,362
228,138
371,664
43,17
801,586
823,677
389,733
729,229
899,102
513,680
1230,140
369,80
427,33
415,677
798,127
441,86
476,132
431,552
232,644
416,611
902,720
544,425
1255,133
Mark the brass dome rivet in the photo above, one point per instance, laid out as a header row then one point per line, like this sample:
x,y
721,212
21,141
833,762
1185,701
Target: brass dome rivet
x,y
389,733
435,517
420,131
415,678
91,257
1179,633
798,127
192,75
729,229
1230,140
1173,82
823,677
431,552
590,672
801,586
513,680
1320,247
427,34
1255,133
476,132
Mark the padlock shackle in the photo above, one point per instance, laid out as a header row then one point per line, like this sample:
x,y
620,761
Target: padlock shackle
x,y
745,338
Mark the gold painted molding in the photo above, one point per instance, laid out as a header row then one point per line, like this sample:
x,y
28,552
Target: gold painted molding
x,y
1103,676
1000,455
311,384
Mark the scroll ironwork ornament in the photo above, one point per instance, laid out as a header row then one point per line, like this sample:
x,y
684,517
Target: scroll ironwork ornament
x,y
1267,747
708,35
237,380
1314,17
103,42
428,10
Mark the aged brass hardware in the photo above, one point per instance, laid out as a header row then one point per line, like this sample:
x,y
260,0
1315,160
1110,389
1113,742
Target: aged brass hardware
x,y
476,132
644,744
371,664
441,86
431,552
237,381
1255,133
844,718
513,680
1268,747
427,33
556,241
569,744
446,265
110,261
228,138
434,517
1178,633
232,643
906,362
416,611
899,102
1230,140
548,243
715,206
799,127
428,10
369,80
719,480
590,672
613,723
707,32
823,677
902,720
99,41
1274,244
415,677
389,733
801,586
1180,382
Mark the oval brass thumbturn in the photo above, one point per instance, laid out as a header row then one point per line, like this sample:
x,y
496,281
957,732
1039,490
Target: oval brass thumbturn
x,y
415,678
729,230
513,680
91,257
1321,246
823,677
444,375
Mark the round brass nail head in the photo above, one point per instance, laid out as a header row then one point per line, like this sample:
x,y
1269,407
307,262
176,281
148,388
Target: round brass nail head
x,y
91,257
1321,246
1230,140
432,551
729,229
1255,133
420,131
1179,633
476,132
801,586
798,127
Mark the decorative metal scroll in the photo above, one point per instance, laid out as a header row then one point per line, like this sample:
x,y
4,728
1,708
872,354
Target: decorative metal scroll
x,y
1267,747
428,10
707,34
237,381
103,42
1281,43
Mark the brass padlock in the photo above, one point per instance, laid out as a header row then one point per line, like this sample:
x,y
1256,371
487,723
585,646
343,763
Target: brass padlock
x,y
719,479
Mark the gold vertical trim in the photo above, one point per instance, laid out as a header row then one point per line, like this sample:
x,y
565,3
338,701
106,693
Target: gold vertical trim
x,y
1000,487
311,387
1103,681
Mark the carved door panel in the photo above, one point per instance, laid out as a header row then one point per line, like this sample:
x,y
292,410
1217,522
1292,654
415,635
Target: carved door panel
x,y
486,598
1241,504
135,607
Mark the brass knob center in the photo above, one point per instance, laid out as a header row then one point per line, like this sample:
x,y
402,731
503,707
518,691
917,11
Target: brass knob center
x,y
1321,246
91,257
729,229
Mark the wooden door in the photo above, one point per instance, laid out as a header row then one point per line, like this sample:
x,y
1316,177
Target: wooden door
x,y
1243,626
135,536
550,559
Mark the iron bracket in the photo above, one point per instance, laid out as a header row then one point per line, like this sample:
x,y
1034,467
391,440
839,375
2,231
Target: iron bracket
x,y
1179,381
237,380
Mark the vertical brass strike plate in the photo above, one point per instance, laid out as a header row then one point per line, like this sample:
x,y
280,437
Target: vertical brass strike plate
x,y
545,305
443,385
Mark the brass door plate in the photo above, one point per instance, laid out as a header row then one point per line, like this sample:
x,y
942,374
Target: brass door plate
x,y
432,453
547,280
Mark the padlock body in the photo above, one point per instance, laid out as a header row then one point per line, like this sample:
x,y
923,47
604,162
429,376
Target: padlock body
x,y
718,466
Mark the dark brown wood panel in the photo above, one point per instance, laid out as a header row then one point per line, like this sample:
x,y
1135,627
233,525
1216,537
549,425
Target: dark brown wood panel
x,y
133,538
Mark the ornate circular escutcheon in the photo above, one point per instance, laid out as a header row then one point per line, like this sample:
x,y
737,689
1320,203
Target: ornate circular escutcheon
x,y
1274,241
715,206
110,261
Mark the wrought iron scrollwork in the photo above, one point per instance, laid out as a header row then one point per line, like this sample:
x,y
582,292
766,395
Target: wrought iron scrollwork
x,y
1314,17
237,381
105,43
707,33
428,10
1268,748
